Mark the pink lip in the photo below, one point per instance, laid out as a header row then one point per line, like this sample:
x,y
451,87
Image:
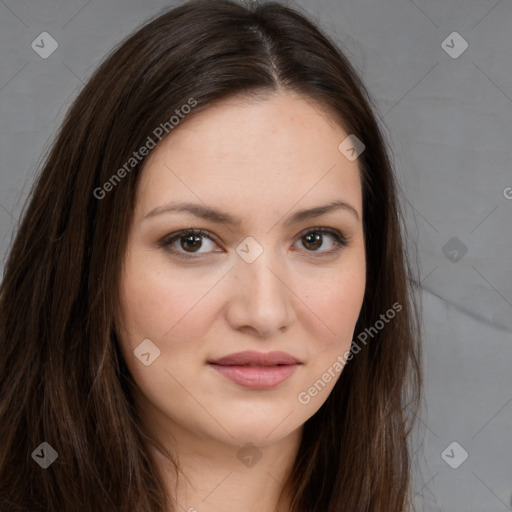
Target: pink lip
x,y
256,358
257,370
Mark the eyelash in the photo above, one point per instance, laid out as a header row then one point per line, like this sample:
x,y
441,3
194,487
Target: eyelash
x,y
340,241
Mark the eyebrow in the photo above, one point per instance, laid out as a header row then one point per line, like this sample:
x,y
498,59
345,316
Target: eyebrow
x,y
220,217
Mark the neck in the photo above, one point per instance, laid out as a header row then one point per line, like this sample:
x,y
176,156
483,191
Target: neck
x,y
215,477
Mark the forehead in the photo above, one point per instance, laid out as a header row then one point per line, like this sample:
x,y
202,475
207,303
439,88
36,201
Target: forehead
x,y
253,154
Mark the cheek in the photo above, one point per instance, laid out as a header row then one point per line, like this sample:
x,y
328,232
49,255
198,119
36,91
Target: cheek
x,y
332,313
157,302
333,306
145,304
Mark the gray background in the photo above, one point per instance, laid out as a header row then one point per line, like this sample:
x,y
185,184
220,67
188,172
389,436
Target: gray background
x,y
448,122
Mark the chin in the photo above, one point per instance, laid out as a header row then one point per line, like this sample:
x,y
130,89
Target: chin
x,y
259,433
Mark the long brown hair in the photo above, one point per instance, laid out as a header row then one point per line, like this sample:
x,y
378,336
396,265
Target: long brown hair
x,y
62,377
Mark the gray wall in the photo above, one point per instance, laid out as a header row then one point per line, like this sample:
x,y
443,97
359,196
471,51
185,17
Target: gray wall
x,y
448,121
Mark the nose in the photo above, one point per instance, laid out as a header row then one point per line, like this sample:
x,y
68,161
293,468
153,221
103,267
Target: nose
x,y
262,300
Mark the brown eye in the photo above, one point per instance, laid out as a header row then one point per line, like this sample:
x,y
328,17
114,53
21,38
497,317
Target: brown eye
x,y
190,241
314,239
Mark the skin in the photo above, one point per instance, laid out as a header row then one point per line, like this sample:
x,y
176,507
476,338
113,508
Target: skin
x,y
260,161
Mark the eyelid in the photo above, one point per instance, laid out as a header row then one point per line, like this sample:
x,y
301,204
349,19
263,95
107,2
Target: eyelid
x,y
340,239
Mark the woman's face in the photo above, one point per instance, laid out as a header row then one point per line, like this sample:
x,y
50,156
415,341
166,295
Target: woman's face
x,y
267,281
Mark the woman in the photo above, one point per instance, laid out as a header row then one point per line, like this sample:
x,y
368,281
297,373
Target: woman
x,y
207,305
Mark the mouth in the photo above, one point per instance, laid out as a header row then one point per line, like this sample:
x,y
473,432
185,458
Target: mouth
x,y
256,370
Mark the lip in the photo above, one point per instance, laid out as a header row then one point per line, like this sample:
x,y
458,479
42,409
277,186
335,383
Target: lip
x,y
257,370
251,357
